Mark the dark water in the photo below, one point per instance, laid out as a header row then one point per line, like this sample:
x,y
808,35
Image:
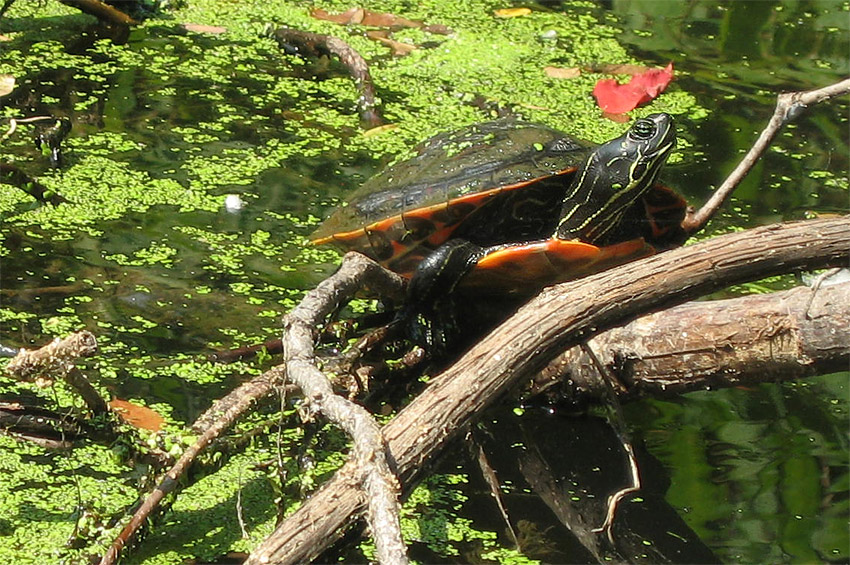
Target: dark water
x,y
758,475
750,470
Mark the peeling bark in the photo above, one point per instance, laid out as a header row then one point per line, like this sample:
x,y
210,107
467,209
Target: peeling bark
x,y
703,345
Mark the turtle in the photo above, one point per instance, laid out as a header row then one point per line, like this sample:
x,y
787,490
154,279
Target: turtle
x,y
507,207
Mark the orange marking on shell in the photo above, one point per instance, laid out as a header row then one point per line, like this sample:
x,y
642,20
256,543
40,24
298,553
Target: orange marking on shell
x,y
523,255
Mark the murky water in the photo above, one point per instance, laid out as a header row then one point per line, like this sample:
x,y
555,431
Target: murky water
x,y
760,475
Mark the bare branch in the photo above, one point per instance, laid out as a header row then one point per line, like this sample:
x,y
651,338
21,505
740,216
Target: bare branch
x,y
789,105
307,43
356,272
370,451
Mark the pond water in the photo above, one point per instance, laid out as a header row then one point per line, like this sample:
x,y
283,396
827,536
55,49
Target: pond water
x,y
164,275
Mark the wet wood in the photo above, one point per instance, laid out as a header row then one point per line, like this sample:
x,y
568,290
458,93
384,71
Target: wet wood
x,y
103,12
309,44
10,174
560,317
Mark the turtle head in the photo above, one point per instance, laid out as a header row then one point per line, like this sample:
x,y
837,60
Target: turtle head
x,y
614,176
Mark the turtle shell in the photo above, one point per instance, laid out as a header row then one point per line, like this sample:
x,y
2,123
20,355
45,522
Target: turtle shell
x,y
494,183
491,183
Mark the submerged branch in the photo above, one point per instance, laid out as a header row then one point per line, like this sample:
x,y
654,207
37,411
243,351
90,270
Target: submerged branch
x,y
315,44
10,174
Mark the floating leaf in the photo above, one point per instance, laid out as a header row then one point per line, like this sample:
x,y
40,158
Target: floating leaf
x,y
616,98
439,29
375,19
7,84
558,72
379,130
201,28
398,47
381,19
137,416
512,12
619,118
352,16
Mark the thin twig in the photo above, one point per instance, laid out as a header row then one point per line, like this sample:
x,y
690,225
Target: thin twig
x,y
816,286
169,482
614,499
614,388
13,124
493,482
789,106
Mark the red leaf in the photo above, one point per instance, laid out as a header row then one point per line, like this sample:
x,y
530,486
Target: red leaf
x,y
616,98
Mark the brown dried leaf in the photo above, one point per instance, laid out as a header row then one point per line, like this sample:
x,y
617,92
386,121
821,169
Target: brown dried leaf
x,y
376,19
399,48
439,29
201,28
512,12
379,130
619,118
352,16
5,37
7,84
137,416
381,19
559,72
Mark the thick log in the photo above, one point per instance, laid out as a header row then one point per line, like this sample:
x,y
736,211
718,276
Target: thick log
x,y
560,317
705,345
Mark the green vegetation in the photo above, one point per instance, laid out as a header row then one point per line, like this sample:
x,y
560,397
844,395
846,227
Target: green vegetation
x,y
143,253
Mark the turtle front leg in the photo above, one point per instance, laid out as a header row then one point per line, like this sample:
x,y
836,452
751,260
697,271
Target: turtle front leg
x,y
429,309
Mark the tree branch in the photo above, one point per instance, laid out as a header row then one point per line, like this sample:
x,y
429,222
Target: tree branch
x,y
702,345
355,273
789,105
560,317
101,11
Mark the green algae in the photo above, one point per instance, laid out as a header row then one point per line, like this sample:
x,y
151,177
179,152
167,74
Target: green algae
x,y
171,123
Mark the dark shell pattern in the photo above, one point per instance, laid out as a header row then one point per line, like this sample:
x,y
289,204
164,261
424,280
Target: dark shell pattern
x,y
460,184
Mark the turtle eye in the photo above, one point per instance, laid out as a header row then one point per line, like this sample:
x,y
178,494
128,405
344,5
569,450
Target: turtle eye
x,y
643,129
